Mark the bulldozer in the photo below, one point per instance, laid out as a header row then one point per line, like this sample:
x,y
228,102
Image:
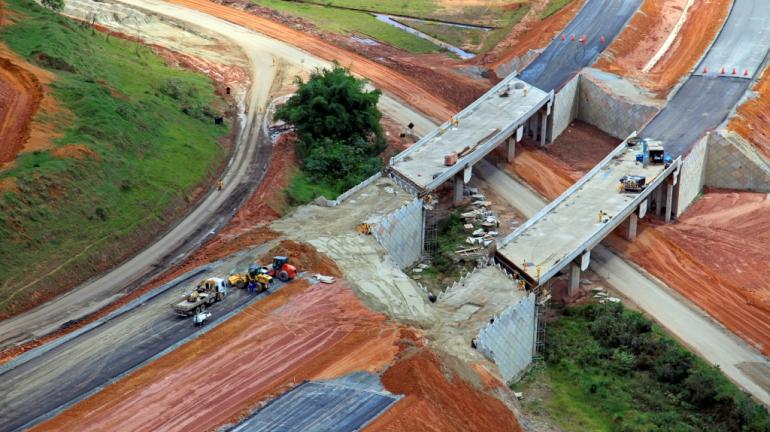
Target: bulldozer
x,y
207,292
281,269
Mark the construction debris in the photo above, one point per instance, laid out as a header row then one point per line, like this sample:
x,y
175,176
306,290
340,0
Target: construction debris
x,y
325,279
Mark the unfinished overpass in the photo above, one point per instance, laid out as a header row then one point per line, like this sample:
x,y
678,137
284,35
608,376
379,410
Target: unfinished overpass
x,y
502,115
563,233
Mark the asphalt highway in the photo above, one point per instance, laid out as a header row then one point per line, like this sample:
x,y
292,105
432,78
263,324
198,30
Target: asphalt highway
x,y
600,21
706,99
83,364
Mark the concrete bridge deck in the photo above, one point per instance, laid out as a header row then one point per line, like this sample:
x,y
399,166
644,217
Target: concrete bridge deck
x,y
472,133
568,228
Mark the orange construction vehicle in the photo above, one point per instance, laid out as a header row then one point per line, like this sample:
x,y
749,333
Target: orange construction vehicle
x,y
281,269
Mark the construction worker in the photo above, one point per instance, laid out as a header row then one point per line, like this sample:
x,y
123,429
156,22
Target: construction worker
x,y
220,184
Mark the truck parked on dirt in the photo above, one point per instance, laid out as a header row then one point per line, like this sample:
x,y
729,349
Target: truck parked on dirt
x,y
208,292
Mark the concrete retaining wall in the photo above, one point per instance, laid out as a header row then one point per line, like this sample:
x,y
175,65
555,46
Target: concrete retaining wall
x,y
401,233
692,176
732,163
516,64
565,108
613,104
510,340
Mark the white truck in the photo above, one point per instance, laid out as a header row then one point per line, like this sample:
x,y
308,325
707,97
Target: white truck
x,y
207,292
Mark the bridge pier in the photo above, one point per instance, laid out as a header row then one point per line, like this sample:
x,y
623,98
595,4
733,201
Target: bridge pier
x,y
659,201
574,279
511,143
543,126
459,186
633,220
669,199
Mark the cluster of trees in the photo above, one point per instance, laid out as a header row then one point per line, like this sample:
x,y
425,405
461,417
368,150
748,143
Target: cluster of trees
x,y
338,124
644,379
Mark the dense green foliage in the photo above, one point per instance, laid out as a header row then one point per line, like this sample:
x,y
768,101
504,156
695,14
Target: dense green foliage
x,y
611,369
149,139
55,5
340,137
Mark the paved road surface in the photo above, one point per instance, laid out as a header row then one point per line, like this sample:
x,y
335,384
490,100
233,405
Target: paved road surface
x,y
705,100
561,60
75,368
214,211
743,41
319,406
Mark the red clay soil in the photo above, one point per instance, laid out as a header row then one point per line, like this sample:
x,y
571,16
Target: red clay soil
x,y
437,400
752,119
648,30
530,34
20,96
552,170
295,334
220,74
304,256
716,255
407,89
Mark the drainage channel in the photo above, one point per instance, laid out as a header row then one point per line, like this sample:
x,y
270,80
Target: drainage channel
x,y
390,20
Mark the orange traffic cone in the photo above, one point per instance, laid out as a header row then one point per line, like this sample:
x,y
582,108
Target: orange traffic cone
x,y
705,70
563,38
735,72
722,71
601,39
745,72
572,38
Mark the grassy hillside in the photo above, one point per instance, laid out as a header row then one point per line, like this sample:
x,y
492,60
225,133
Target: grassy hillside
x,y
610,369
140,138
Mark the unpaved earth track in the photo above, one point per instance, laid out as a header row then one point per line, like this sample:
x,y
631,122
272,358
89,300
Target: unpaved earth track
x,y
251,156
20,96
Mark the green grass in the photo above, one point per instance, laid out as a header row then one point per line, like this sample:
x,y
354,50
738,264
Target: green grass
x,y
151,130
352,23
609,369
304,189
468,39
553,7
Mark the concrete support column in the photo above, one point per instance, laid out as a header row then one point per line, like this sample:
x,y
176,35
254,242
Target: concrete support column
x,y
631,227
669,199
659,201
511,143
574,279
459,185
543,126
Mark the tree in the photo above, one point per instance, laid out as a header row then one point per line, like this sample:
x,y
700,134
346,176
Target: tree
x,y
333,104
54,5
338,124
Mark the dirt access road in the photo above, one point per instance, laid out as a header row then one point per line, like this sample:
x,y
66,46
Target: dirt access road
x,y
248,164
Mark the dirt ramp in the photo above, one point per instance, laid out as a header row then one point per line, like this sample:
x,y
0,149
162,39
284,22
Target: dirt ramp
x,y
304,256
437,400
20,97
716,255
